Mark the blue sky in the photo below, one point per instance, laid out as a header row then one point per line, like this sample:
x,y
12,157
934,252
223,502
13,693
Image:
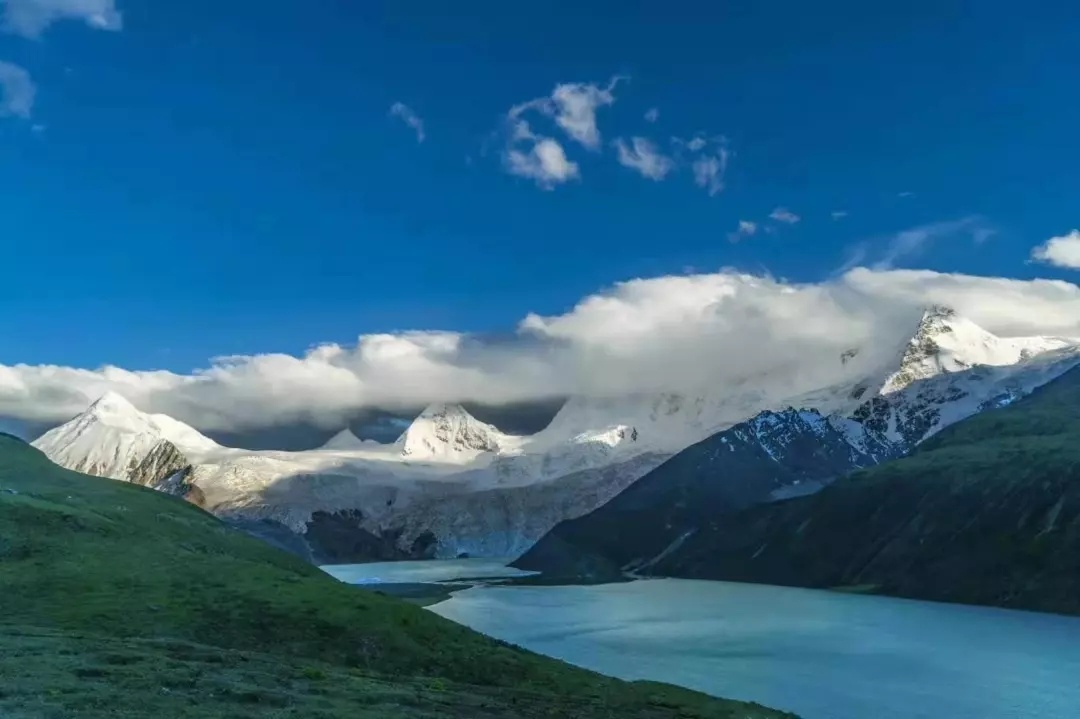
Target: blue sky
x,y
227,178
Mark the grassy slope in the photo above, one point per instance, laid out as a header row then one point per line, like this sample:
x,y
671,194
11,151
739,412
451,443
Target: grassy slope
x,y
119,601
985,512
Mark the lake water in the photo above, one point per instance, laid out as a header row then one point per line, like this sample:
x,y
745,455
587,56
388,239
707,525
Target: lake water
x,y
820,654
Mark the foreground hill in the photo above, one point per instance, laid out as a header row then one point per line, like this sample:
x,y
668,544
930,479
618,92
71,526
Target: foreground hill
x,y
119,601
986,512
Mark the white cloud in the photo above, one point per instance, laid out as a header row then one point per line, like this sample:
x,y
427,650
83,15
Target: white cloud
x,y
545,163
652,114
665,333
18,91
709,171
541,158
783,214
30,18
838,214
709,167
573,106
643,156
410,118
746,228
1061,251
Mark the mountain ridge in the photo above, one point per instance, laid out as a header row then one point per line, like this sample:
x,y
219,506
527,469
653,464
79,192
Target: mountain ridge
x,y
985,512
447,462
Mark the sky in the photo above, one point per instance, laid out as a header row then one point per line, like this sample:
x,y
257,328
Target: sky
x,y
248,214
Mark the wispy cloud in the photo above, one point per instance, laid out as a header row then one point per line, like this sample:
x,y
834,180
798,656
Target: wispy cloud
x,y
916,240
573,106
905,194
1063,251
643,156
838,214
30,18
17,91
745,229
709,172
405,113
696,143
708,158
784,215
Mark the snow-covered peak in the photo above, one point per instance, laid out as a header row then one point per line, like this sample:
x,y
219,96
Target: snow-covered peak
x,y
112,437
112,403
345,440
945,342
115,410
449,433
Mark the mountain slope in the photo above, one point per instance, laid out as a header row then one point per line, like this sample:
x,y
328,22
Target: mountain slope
x,y
986,512
775,454
123,602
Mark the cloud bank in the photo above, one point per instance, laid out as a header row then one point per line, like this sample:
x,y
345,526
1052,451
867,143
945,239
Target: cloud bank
x,y
672,333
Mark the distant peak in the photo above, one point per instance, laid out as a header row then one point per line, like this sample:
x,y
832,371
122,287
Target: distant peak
x,y
448,428
345,439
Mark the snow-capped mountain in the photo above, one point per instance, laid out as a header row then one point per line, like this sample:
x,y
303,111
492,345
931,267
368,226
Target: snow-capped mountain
x,y
449,433
114,439
452,483
950,369
944,343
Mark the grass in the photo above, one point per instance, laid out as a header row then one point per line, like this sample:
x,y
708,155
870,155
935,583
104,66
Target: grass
x,y
118,601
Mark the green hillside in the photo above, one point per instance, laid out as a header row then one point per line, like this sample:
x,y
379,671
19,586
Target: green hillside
x,y
117,601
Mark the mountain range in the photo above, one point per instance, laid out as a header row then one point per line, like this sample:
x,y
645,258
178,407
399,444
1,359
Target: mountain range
x,y
452,485
985,512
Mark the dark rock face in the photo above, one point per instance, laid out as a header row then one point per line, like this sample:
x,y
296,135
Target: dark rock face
x,y
166,469
340,538
772,455
986,512
162,462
